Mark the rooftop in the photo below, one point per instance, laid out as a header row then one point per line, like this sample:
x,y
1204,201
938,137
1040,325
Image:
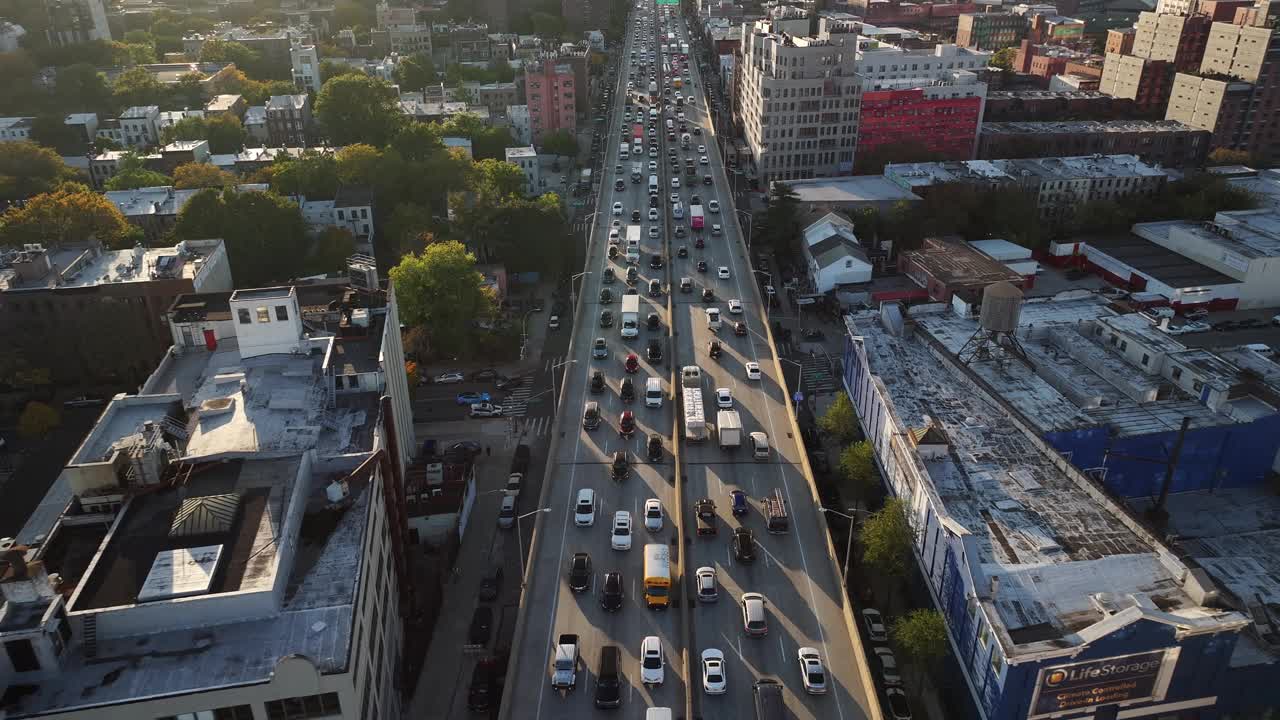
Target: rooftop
x,y
830,240
286,102
855,189
139,111
956,264
923,174
163,199
1249,233
88,265
222,103
513,152
1167,266
1066,557
1086,127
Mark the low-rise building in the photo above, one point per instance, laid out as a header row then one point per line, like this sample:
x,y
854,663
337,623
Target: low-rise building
x,y
849,194
226,105
85,125
946,267
494,96
170,74
833,256
305,62
1165,143
255,124
156,209
526,158
141,125
169,118
15,129
1047,105
289,120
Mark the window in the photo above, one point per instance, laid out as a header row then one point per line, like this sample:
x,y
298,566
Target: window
x,y
1197,386
23,655
233,712
984,635
1177,373
244,316
282,312
264,316
1146,358
309,706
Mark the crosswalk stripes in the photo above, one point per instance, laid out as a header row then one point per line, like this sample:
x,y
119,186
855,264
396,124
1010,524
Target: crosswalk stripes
x,y
517,403
552,362
816,376
527,431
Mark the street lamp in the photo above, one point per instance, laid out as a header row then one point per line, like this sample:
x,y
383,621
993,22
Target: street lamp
x,y
520,539
746,214
573,296
848,550
524,332
554,396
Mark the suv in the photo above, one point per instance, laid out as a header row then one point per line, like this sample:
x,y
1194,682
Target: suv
x,y
744,545
580,572
611,592
686,285
753,616
627,391
597,382
654,351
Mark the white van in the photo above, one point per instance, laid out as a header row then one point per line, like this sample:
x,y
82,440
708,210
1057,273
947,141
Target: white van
x,y
657,713
653,184
653,392
624,152
759,446
507,515
713,319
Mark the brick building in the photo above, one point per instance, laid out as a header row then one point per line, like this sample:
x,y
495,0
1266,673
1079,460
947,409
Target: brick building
x,y
551,91
944,126
1167,143
990,31
1033,105
289,119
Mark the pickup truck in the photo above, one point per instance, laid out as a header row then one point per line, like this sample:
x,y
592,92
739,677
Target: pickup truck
x,y
705,509
564,675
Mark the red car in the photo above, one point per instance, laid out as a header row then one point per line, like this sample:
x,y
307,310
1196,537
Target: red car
x,y
698,243
627,424
632,363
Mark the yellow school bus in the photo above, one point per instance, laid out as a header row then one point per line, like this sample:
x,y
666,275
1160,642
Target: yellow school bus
x,y
657,576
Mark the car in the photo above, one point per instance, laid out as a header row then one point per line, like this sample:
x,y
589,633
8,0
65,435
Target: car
x,y
632,363
461,451
898,705
480,694
491,584
744,545
486,410
703,161
708,295
611,592
713,682
584,508
655,262
654,232
471,398
621,537
686,285
653,322
682,252
654,447
753,370
874,622
705,582
635,215
739,328
888,665
675,198
633,274
508,383
615,236
754,622
619,185
713,206
620,468
655,288
606,318
702,149
653,214
606,295
697,130
735,306
486,375
617,208
701,266
580,572
724,397
627,423
812,673
448,378
597,382
481,626
738,503
615,224
706,179
609,275
599,349
716,231
652,666
653,515
653,166
675,182
722,272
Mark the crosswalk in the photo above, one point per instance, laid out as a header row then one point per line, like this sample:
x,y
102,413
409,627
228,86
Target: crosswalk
x,y
527,430
551,362
517,403
816,376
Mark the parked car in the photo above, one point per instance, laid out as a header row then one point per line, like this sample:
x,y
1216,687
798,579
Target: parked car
x,y
448,378
874,622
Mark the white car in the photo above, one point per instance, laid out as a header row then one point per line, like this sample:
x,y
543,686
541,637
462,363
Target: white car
x,y
753,371
584,510
874,621
675,198
615,224
450,378
735,306
724,398
888,666
675,183
714,206
812,674
653,166
713,681
702,149
652,666
705,578
654,232
702,160
722,272
617,208
621,538
553,322
653,514
716,229
653,214
486,410
615,236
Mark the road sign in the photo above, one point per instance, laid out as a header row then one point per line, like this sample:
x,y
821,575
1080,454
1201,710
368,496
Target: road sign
x,y
798,397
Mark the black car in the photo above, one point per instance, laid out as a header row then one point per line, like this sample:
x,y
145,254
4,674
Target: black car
x,y
686,285
620,469
706,179
619,185
611,592
702,266
635,216
655,447
682,251
508,383
606,296
695,200
697,130
627,390
713,349
481,625
708,295
744,545
653,201
653,322
608,272
462,451
580,572
655,262
654,351
632,275
606,318
481,694
491,584
597,382
487,375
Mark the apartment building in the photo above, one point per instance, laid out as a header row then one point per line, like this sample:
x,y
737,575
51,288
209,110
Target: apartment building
x,y
402,40
1166,143
272,45
494,96
1119,40
226,105
255,124
526,158
71,22
1163,44
1234,94
518,116
990,30
798,98
230,541
305,61
386,15
289,120
141,125
929,98
551,89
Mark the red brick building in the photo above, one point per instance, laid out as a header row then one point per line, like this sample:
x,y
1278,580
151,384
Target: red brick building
x,y
945,126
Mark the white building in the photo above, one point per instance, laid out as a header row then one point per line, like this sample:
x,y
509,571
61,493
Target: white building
x,y
306,67
518,115
527,160
236,604
833,255
255,122
72,22
387,15
945,71
141,125
799,98
351,210
11,35
15,129
168,118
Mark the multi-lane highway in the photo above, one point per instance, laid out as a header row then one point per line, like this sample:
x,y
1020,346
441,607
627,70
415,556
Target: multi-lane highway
x,y
793,570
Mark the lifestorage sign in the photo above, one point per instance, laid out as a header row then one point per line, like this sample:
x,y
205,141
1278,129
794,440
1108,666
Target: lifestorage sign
x,y
1128,678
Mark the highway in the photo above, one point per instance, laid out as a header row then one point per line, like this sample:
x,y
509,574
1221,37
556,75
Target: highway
x,y
793,570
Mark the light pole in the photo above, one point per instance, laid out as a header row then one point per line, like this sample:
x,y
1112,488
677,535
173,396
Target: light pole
x,y
554,397
520,538
747,215
768,282
848,550
524,332
573,296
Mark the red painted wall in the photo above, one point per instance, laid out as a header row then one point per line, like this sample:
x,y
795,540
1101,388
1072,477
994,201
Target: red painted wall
x,y
945,126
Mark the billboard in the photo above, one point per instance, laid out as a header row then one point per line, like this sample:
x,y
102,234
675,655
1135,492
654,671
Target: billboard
x,y
1078,686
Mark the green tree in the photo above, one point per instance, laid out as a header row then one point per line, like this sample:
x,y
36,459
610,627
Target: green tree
x,y
357,108
188,92
528,234
358,165
886,538
82,86
139,37
441,291
401,232
921,637
226,51
1003,58
225,133
51,131
70,213
416,72
1227,156
188,128
779,227
494,181
201,175
27,169
840,421
561,143
330,250
136,86
416,141
132,173
264,232
858,468
37,421
133,54
352,14
313,175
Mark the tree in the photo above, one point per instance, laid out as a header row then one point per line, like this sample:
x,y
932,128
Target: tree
x,y
839,421
1227,156
416,141
37,420
70,213
1003,58
133,174
357,108
886,538
416,72
780,225
51,131
401,232
264,232
201,175
225,133
495,181
188,92
561,143
330,250
313,175
858,468
136,86
133,53
226,51
27,169
82,86
921,636
188,128
358,165
441,291
351,14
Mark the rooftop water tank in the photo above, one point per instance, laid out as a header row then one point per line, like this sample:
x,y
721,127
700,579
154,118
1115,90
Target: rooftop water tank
x,y
1001,307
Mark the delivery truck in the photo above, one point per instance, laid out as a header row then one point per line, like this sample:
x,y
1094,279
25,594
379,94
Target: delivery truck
x,y
695,423
630,316
696,217
729,429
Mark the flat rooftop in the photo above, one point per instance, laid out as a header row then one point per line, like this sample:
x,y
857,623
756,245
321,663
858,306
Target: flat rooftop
x,y
81,266
1172,269
1063,555
1087,127
851,190
955,263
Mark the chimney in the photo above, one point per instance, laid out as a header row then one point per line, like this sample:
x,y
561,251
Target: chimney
x,y
995,586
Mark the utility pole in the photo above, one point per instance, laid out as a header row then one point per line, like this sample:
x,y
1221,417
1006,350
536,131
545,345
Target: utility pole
x,y
1157,514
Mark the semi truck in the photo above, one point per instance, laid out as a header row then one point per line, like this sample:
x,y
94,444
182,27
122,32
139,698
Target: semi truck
x,y
729,429
696,217
695,423
630,316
